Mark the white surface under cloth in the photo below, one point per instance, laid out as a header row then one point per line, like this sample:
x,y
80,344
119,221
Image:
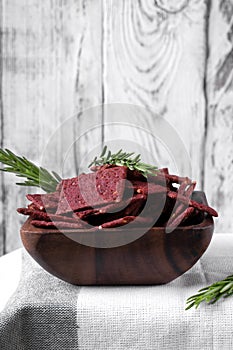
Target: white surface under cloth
x,y
39,311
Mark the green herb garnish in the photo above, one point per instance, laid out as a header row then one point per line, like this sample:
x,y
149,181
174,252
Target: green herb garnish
x,y
36,176
124,159
212,293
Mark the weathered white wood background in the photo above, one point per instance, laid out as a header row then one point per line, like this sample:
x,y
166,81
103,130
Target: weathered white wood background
x,y
60,57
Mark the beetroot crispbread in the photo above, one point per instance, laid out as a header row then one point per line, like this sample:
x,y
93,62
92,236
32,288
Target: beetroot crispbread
x,y
44,201
125,208
147,187
41,215
110,182
90,190
125,220
60,224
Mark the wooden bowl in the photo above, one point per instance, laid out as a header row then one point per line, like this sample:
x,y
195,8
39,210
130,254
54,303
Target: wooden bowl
x,y
155,258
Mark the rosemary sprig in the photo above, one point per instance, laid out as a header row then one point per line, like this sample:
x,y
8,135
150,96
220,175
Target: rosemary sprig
x,y
35,176
212,293
124,159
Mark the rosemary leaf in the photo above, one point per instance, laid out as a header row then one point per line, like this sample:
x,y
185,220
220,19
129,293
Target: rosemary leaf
x,y
121,158
34,175
212,293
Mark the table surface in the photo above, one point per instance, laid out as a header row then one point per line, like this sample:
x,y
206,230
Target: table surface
x,y
120,317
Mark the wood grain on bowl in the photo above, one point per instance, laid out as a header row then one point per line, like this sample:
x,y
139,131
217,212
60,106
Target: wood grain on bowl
x,y
155,258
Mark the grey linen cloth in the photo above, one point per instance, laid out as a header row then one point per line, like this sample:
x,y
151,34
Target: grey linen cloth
x,y
46,313
42,312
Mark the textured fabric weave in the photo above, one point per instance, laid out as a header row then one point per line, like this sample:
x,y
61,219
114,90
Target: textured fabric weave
x,y
41,314
154,317
46,313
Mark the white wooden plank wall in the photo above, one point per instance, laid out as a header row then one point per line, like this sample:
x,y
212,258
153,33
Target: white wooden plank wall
x,y
51,70
219,144
155,56
59,58
2,185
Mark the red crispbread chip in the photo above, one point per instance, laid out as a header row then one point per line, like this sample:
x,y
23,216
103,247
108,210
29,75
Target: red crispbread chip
x,y
147,187
125,220
135,206
43,201
118,222
71,197
59,224
109,208
91,190
85,213
31,206
110,183
135,175
41,215
106,214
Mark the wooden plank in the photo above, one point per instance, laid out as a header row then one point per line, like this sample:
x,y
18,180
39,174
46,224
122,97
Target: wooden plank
x,y
219,145
2,186
154,56
51,72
